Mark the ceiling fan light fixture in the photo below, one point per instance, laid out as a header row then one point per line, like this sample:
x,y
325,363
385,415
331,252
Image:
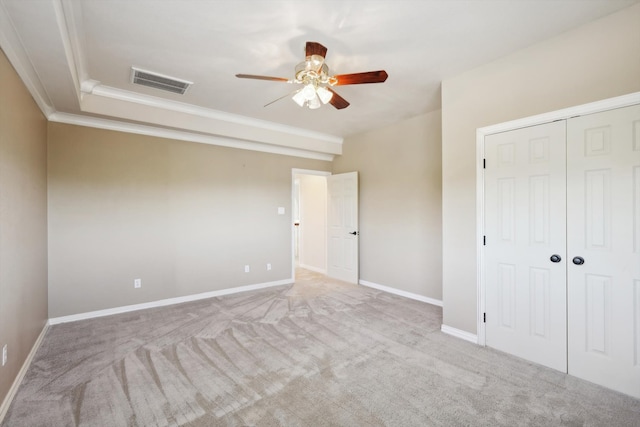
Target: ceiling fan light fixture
x,y
309,92
324,94
312,97
314,103
299,98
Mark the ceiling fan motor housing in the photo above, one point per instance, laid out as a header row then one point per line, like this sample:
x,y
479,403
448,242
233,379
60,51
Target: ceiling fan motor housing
x,y
313,70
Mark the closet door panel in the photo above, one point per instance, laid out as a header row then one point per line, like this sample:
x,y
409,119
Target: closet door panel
x,y
603,222
525,217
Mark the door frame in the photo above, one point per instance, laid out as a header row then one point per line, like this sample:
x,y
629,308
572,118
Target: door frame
x,y
294,172
481,133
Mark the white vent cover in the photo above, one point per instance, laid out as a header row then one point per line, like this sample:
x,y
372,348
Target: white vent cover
x,y
159,81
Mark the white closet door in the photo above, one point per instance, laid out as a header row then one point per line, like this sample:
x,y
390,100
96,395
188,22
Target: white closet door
x,y
603,174
525,219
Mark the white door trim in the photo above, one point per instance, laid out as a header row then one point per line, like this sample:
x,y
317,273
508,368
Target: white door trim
x,y
294,172
566,113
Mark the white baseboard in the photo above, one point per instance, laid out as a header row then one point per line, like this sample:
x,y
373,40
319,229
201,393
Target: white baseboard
x,y
164,302
401,293
23,370
314,269
458,333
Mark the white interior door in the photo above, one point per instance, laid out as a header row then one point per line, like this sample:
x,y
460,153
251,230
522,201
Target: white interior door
x,y
342,219
525,220
604,230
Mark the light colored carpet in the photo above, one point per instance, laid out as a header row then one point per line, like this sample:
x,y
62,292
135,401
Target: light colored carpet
x,y
317,353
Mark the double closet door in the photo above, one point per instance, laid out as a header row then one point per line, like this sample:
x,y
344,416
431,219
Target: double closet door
x,y
562,253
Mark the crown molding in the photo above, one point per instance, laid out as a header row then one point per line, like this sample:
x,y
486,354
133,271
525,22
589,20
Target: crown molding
x,y
13,48
139,129
70,30
121,109
180,107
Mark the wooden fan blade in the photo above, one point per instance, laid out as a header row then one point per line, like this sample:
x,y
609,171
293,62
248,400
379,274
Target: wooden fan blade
x,y
315,48
360,78
251,76
337,101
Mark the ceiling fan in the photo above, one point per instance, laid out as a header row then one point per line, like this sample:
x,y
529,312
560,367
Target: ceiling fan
x,y
313,75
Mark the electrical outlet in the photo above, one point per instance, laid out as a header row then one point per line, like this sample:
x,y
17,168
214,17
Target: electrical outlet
x,y
246,269
268,267
137,283
4,355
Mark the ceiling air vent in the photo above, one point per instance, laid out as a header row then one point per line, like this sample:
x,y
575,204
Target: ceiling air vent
x,y
159,81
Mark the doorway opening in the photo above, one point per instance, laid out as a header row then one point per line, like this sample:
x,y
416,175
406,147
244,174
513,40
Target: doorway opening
x,y
309,214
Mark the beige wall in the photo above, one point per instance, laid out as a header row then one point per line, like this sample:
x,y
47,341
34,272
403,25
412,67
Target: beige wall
x,y
400,203
313,222
183,217
23,222
593,62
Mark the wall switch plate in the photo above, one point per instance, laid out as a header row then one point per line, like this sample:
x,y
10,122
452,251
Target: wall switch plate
x,y
281,211
268,267
4,355
246,269
137,283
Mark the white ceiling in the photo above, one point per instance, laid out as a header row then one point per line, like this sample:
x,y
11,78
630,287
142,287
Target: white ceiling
x,y
76,56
